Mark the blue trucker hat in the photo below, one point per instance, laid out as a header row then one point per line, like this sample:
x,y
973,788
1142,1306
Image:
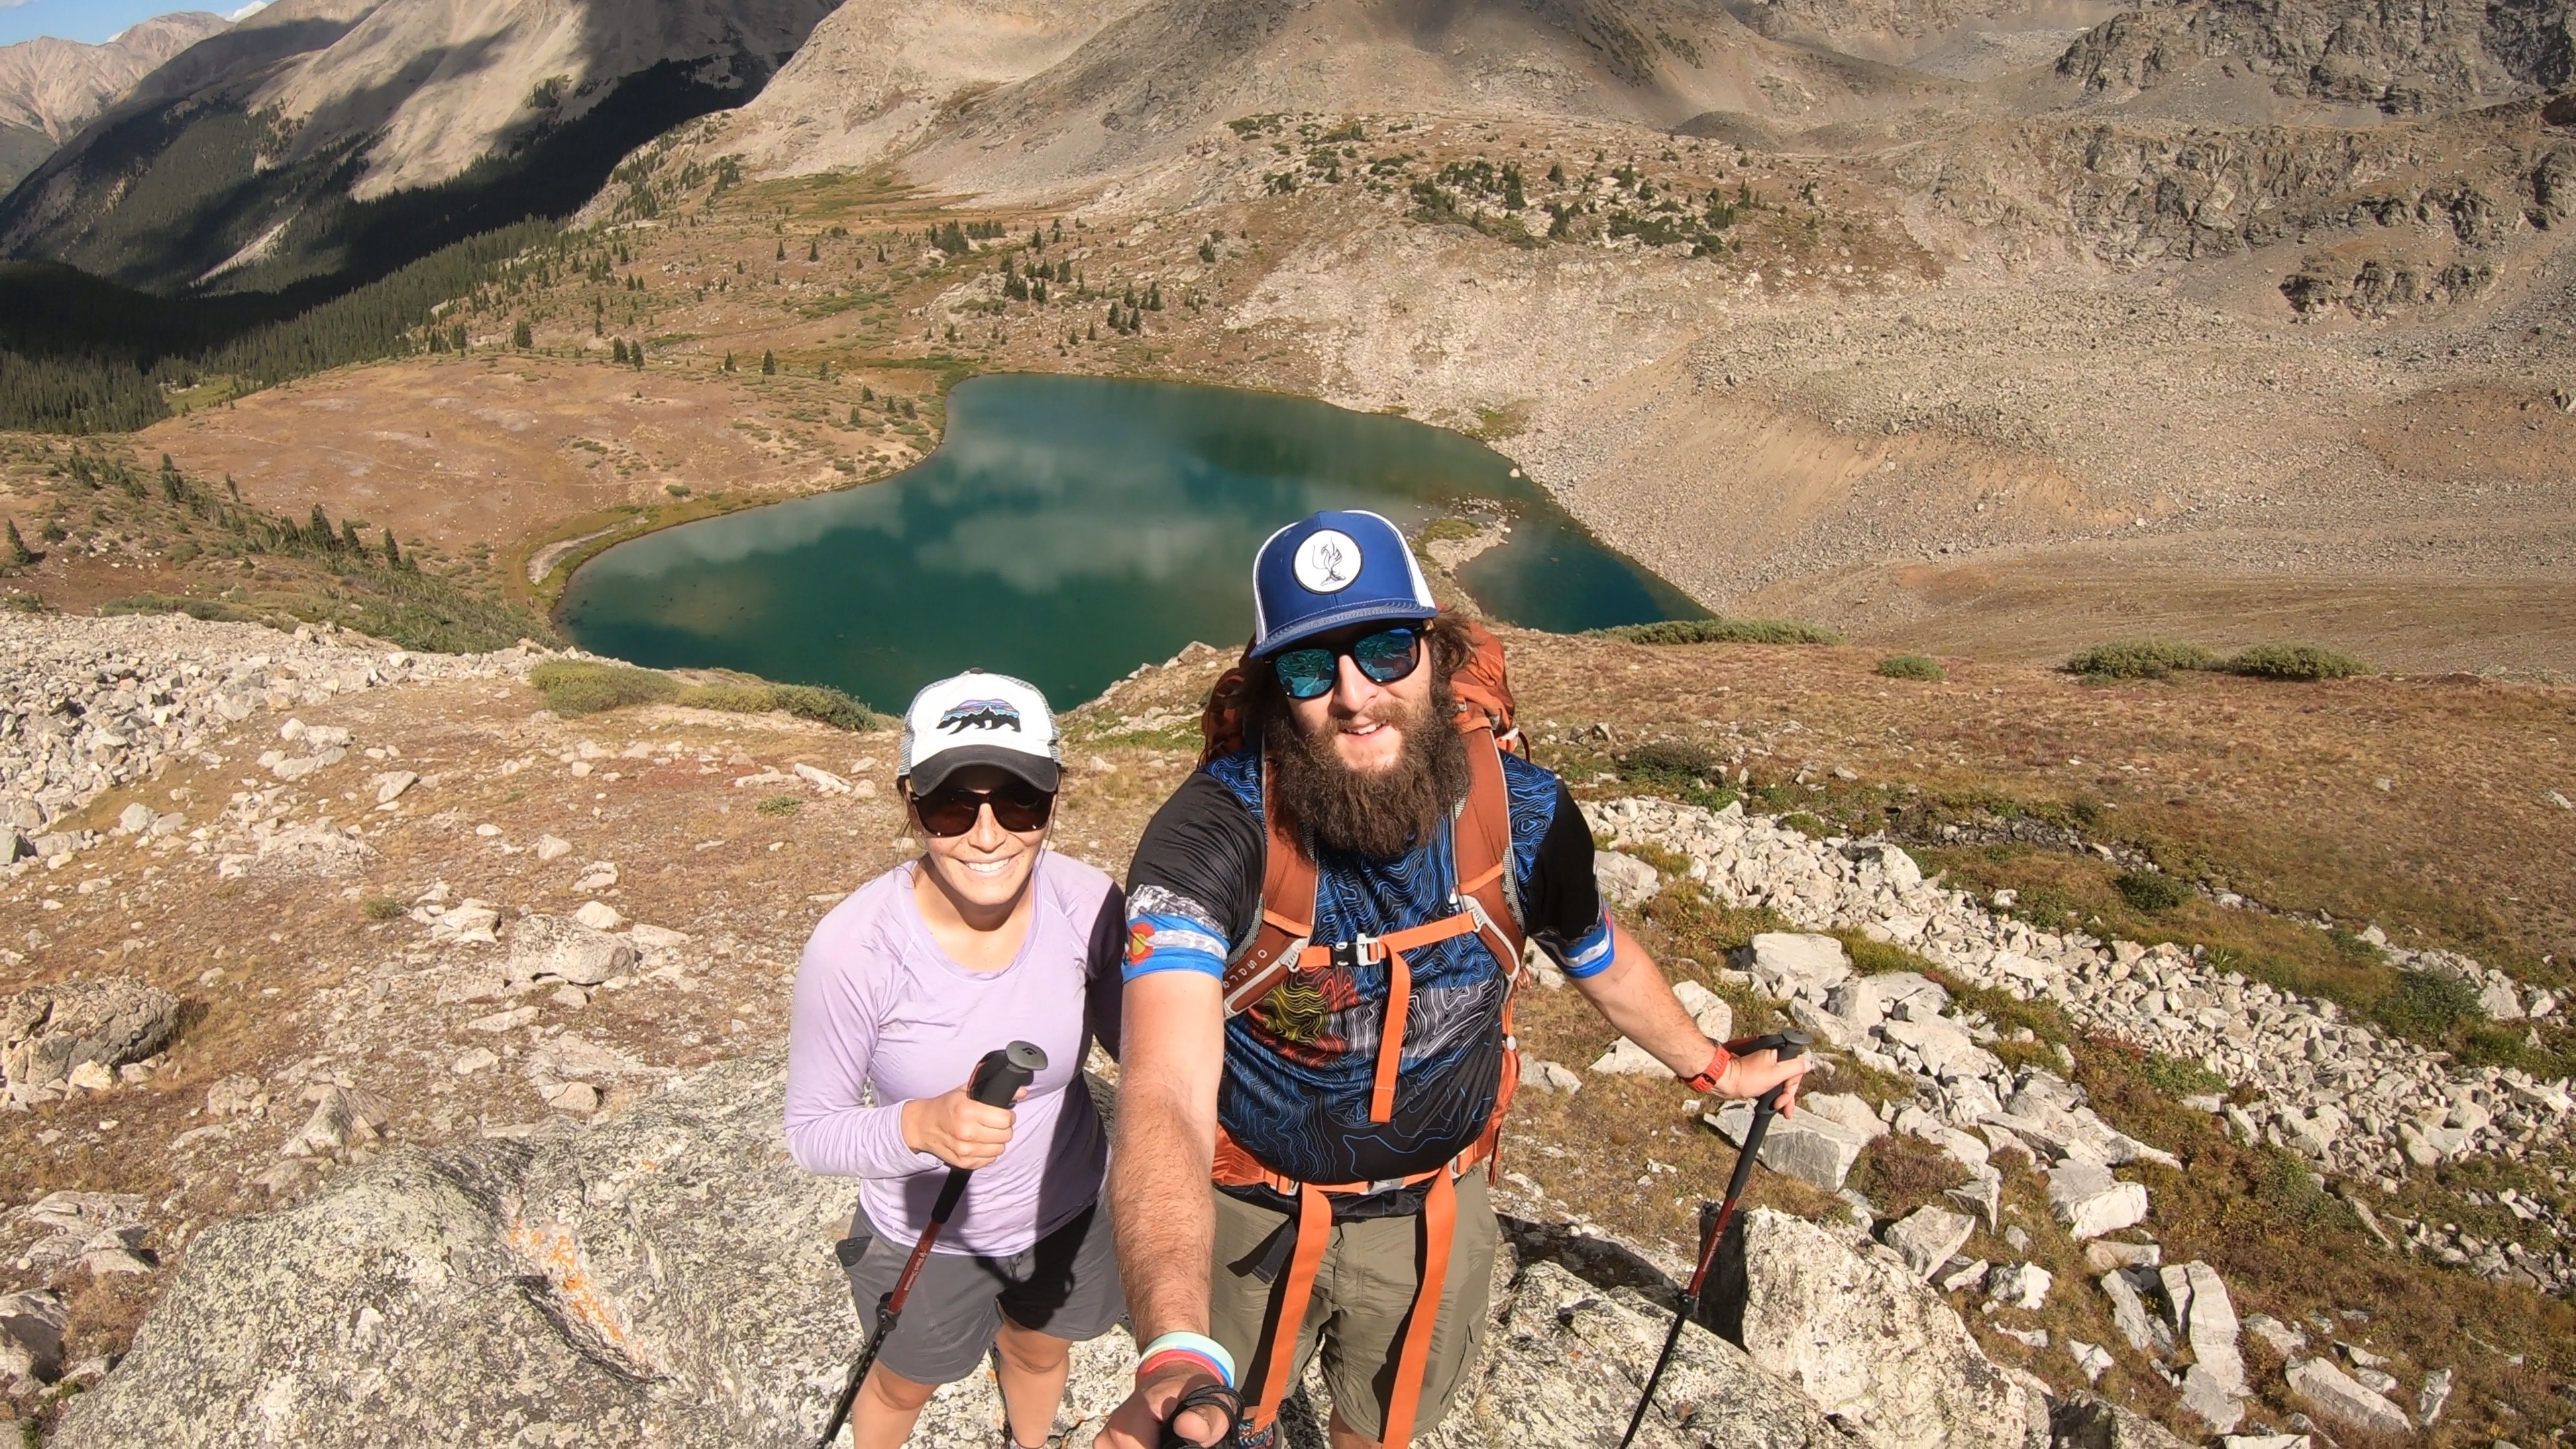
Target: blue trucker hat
x,y
1329,570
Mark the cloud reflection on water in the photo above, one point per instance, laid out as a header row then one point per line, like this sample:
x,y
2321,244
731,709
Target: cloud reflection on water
x,y
1065,529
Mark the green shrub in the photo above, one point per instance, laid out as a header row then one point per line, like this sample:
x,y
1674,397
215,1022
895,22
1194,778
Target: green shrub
x,y
2306,663
582,688
1912,666
2149,890
1668,762
1722,631
2427,1006
828,706
731,698
2180,1076
781,805
381,908
2139,659
213,610
574,688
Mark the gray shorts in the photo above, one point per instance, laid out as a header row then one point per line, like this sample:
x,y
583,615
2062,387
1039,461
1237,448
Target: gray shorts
x,y
1065,1286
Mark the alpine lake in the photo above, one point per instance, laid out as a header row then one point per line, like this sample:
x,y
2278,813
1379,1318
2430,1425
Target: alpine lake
x,y
1069,529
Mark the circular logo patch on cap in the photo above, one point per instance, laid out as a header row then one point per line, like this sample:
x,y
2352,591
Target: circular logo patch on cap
x,y
1328,561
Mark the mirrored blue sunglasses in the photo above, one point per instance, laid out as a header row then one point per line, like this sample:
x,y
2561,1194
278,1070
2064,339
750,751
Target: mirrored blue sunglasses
x,y
1384,657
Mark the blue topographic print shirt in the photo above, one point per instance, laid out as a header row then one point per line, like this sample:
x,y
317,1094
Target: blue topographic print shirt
x,y
1299,1065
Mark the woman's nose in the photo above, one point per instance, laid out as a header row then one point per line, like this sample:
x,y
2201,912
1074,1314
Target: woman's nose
x,y
988,833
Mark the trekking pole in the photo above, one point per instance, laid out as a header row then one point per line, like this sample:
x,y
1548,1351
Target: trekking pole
x,y
1713,1221
998,1078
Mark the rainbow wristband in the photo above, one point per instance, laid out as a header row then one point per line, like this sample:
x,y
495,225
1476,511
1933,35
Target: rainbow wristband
x,y
1197,1346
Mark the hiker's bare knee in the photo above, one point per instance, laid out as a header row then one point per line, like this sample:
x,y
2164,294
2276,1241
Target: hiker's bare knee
x,y
1031,1351
896,1392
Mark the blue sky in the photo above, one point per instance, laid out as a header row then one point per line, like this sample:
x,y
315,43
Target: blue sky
x,y
90,21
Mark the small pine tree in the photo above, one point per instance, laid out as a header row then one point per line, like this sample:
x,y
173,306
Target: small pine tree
x,y
523,336
768,363
456,339
349,537
782,251
813,251
19,553
617,350
728,363
823,370
881,256
1154,298
320,530
855,420
635,356
867,393
393,554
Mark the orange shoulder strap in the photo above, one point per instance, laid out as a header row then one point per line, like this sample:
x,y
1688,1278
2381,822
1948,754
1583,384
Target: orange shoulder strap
x,y
1483,845
1287,912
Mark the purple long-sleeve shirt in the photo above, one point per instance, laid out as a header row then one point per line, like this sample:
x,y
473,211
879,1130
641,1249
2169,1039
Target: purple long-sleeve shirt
x,y
882,1012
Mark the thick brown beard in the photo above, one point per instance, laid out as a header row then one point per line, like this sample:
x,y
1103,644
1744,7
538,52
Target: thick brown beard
x,y
1374,816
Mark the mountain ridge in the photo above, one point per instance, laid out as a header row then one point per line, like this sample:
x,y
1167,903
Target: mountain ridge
x,y
234,166
50,88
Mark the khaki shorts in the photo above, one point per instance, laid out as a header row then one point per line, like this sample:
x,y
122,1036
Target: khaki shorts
x,y
1363,1292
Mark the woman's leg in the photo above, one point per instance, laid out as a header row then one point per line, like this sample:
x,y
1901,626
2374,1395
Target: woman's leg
x,y
1034,1368
887,1406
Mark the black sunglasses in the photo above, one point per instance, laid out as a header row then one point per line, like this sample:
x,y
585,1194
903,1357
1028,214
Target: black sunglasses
x,y
951,810
1384,657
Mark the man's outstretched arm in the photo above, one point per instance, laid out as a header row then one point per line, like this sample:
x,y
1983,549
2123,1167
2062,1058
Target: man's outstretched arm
x,y
1634,996
1173,1055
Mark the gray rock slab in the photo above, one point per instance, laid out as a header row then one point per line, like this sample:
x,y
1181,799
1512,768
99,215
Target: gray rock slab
x,y
2334,1396
1627,1059
1866,1341
1794,963
1928,1237
2212,1398
47,1031
673,1280
31,1338
1567,1361
2128,1311
2090,1202
1808,1147
1708,1010
1625,882
551,946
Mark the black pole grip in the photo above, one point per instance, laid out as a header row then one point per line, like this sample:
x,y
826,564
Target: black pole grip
x,y
1001,1074
1787,1043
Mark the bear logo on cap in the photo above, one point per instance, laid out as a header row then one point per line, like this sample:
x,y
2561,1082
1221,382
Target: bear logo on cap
x,y
1328,561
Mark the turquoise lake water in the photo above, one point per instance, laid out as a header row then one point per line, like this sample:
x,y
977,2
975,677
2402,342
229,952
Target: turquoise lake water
x,y
1067,530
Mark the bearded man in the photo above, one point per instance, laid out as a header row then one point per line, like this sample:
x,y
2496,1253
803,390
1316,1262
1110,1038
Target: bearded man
x,y
1298,1146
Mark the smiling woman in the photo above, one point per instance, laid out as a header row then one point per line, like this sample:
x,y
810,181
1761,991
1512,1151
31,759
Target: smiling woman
x,y
1069,529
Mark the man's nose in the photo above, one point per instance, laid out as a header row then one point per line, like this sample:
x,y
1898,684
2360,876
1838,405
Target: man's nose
x,y
1352,690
